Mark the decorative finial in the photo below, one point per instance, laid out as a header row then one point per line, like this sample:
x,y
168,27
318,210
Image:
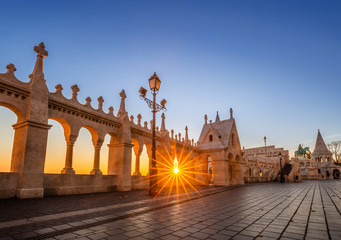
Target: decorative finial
x,y
186,135
123,94
100,103
59,89
75,91
205,118
231,113
179,136
157,129
11,68
192,142
88,101
139,119
210,121
40,50
145,124
38,71
217,119
132,118
111,110
172,134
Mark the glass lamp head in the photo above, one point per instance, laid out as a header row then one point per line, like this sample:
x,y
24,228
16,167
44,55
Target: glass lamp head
x,y
154,82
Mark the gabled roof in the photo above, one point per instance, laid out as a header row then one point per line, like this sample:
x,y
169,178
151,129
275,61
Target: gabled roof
x,y
320,146
222,129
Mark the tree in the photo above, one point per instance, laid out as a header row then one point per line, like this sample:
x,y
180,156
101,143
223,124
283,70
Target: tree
x,y
335,148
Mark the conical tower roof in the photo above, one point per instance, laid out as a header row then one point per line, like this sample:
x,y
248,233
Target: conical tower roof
x,y
320,146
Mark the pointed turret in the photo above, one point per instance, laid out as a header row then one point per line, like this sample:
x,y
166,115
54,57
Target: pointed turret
x,y
217,118
320,146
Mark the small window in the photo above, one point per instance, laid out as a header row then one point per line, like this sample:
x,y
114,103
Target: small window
x,y
210,138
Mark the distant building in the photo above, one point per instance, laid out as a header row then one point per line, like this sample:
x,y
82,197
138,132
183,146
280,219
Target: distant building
x,y
321,165
263,164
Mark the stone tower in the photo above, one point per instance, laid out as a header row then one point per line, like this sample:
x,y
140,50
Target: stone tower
x,y
321,153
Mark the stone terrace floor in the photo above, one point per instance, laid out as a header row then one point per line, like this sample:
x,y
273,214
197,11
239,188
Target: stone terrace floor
x,y
305,210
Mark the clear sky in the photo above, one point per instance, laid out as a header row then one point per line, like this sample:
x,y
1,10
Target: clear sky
x,y
276,63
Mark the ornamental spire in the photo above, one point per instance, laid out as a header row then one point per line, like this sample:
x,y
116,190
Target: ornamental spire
x,y
122,109
186,135
38,67
217,118
163,127
231,113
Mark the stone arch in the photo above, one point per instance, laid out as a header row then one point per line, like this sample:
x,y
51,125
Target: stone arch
x,y
209,169
135,156
230,167
84,149
7,138
336,174
65,125
144,160
15,109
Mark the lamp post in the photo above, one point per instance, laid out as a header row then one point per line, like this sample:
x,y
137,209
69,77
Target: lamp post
x,y
154,84
265,140
280,165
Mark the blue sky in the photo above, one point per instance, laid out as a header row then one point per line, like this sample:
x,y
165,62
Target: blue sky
x,y
277,63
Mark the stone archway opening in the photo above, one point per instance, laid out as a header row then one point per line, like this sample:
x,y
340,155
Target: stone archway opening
x,y
56,146
336,174
210,179
104,156
230,167
83,153
8,118
144,161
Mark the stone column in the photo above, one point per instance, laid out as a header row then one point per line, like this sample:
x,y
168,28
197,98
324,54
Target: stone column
x,y
119,163
137,162
28,158
96,169
69,155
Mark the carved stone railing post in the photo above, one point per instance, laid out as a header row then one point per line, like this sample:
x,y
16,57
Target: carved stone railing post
x,y
139,119
119,163
30,139
96,169
70,142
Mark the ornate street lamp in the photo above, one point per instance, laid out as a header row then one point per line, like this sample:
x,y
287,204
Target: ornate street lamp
x,y
154,84
280,165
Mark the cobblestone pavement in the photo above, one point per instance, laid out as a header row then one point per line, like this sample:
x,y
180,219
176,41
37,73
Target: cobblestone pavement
x,y
306,210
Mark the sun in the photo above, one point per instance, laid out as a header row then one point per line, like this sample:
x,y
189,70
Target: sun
x,y
176,173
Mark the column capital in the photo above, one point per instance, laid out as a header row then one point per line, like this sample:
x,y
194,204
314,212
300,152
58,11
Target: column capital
x,y
121,145
31,124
